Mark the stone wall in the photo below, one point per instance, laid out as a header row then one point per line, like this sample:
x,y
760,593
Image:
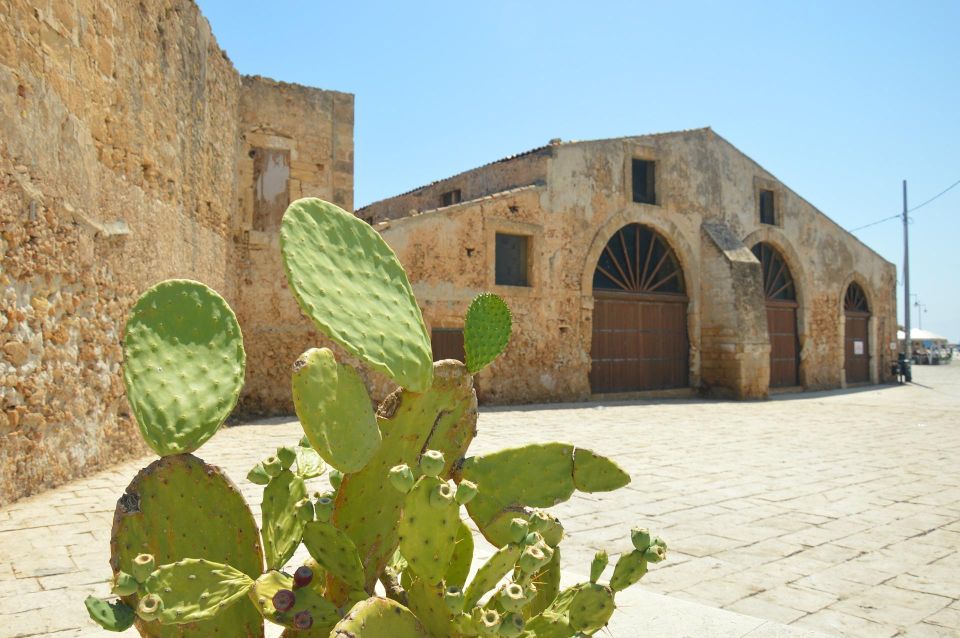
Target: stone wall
x,y
706,211
120,132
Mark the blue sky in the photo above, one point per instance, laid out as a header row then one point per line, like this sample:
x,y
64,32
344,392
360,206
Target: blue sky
x,y
839,100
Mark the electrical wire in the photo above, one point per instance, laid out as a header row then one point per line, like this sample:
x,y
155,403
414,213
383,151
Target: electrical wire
x,y
910,210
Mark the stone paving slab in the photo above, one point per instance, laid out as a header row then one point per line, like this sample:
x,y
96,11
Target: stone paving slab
x,y
836,512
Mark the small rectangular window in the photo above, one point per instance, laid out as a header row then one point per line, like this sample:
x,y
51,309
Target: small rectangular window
x,y
450,197
447,344
768,214
644,190
511,257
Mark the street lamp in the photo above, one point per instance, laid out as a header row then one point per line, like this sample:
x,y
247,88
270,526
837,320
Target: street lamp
x,y
921,309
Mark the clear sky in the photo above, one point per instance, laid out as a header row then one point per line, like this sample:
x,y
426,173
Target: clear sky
x,y
840,100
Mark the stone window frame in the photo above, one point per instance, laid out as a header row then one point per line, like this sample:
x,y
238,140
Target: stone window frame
x,y
766,184
266,140
451,197
534,233
647,154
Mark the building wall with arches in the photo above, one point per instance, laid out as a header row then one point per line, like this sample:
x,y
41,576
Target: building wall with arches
x,y
705,209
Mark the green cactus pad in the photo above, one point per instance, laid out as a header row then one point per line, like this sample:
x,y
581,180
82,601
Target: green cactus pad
x,y
334,409
540,475
428,530
335,552
490,573
428,604
176,508
111,615
367,507
548,586
379,618
459,566
183,364
350,283
282,528
595,473
309,464
486,331
308,598
629,569
196,589
591,608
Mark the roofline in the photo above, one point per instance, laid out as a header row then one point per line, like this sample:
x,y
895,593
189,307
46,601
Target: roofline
x,y
453,208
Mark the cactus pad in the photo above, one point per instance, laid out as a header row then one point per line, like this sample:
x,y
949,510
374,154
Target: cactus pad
x,y
379,618
591,608
282,528
486,331
350,283
335,410
629,569
196,589
459,567
595,473
111,615
168,511
307,599
490,573
428,529
335,552
183,364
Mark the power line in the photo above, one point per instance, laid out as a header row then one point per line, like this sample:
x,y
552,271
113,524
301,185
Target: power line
x,y
898,215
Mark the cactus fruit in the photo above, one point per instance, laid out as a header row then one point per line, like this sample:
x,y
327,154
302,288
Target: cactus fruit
x,y
334,409
303,620
195,589
111,615
431,463
335,552
640,537
599,563
512,625
302,577
402,478
428,528
323,507
486,331
282,528
453,597
150,607
336,477
167,511
124,584
487,621
512,597
266,592
258,475
287,457
350,283
466,491
272,466
519,529
379,618
143,566
183,364
656,552
283,600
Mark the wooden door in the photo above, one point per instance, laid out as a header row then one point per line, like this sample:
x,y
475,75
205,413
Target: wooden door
x,y
780,294
856,359
639,316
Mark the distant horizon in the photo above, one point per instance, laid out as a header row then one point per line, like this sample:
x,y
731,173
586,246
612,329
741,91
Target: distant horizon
x,y
841,104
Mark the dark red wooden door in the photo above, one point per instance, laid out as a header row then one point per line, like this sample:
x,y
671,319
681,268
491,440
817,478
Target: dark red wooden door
x,y
781,302
856,359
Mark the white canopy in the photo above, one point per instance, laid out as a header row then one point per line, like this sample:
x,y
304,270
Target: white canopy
x,y
921,335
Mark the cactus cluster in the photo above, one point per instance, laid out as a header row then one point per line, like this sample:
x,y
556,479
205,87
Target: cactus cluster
x,y
390,552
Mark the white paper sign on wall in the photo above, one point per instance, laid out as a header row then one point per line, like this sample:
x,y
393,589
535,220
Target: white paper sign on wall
x,y
857,347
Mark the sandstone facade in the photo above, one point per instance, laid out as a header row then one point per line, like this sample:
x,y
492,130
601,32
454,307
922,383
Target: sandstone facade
x,y
127,152
570,199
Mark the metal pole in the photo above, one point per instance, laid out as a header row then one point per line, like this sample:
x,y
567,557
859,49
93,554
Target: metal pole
x,y
907,343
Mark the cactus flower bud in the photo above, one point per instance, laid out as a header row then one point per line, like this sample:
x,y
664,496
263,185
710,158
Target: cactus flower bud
x,y
258,475
143,566
284,600
431,463
401,476
336,477
272,466
304,509
512,597
287,457
453,597
124,584
150,607
519,528
303,620
640,536
466,490
512,625
600,561
442,495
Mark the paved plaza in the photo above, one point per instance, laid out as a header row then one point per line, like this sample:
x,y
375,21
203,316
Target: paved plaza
x,y
837,511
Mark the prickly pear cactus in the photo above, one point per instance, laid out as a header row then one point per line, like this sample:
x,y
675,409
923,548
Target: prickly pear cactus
x,y
183,364
186,552
351,284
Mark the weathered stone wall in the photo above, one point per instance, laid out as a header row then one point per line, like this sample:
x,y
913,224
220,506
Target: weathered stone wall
x,y
583,198
120,133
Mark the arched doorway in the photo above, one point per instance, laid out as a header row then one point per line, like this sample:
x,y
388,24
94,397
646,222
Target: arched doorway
x,y
856,311
780,294
639,315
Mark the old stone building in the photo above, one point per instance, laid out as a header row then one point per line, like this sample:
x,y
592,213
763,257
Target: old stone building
x,y
668,263
131,151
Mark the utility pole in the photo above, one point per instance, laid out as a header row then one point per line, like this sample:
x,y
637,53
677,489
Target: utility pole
x,y
907,343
